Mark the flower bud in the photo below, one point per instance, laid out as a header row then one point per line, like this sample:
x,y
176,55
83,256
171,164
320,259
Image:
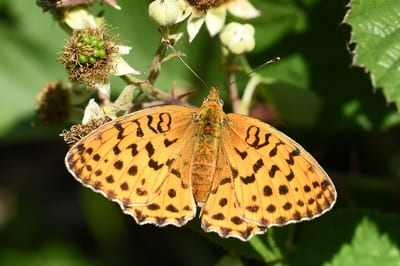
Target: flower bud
x,y
168,12
238,38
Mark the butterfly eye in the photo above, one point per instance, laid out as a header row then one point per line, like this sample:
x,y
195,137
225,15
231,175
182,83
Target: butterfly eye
x,y
220,102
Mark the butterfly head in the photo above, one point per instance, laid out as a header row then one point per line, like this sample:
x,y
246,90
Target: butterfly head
x,y
213,97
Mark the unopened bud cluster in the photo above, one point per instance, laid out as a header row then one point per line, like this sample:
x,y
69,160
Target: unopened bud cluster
x,y
168,12
238,38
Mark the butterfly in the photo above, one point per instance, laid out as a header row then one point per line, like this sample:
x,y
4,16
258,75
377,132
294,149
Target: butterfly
x,y
161,163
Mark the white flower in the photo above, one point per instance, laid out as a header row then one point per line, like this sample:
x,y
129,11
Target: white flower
x,y
112,110
79,18
215,15
92,111
238,38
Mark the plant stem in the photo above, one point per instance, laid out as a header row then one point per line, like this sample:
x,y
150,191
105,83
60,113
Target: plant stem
x,y
233,92
156,63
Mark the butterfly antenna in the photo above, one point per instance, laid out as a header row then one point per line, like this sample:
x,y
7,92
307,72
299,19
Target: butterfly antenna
x,y
179,55
273,60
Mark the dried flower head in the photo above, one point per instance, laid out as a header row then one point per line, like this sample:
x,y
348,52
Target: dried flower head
x,y
53,104
202,6
79,131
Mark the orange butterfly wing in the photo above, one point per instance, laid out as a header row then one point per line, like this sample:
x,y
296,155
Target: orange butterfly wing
x,y
275,180
137,160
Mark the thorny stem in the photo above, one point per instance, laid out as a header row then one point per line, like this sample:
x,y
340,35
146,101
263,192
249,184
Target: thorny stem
x,y
131,80
147,86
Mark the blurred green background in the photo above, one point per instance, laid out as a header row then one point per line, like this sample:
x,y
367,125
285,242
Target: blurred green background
x,y
322,101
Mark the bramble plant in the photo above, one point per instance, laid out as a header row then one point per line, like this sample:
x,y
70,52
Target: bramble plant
x,y
107,76
92,54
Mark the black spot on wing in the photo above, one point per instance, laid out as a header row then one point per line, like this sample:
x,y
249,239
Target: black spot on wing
x,y
225,181
139,130
153,206
89,150
287,206
292,154
271,208
98,172
154,164
253,138
242,154
274,151
134,149
273,170
248,179
150,149
149,121
223,202
120,129
116,150
257,166
164,124
168,142
110,179
236,220
176,173
118,165
133,170
252,208
171,208
290,176
283,189
267,191
218,216
124,186
96,157
172,193
234,172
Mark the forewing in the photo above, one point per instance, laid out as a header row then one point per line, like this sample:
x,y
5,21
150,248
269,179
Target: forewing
x,y
276,181
127,160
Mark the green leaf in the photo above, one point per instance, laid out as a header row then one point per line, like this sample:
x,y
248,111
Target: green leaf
x,y
368,247
376,32
279,18
322,240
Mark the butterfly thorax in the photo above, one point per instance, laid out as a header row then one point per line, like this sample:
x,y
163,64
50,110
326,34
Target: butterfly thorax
x,y
209,120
